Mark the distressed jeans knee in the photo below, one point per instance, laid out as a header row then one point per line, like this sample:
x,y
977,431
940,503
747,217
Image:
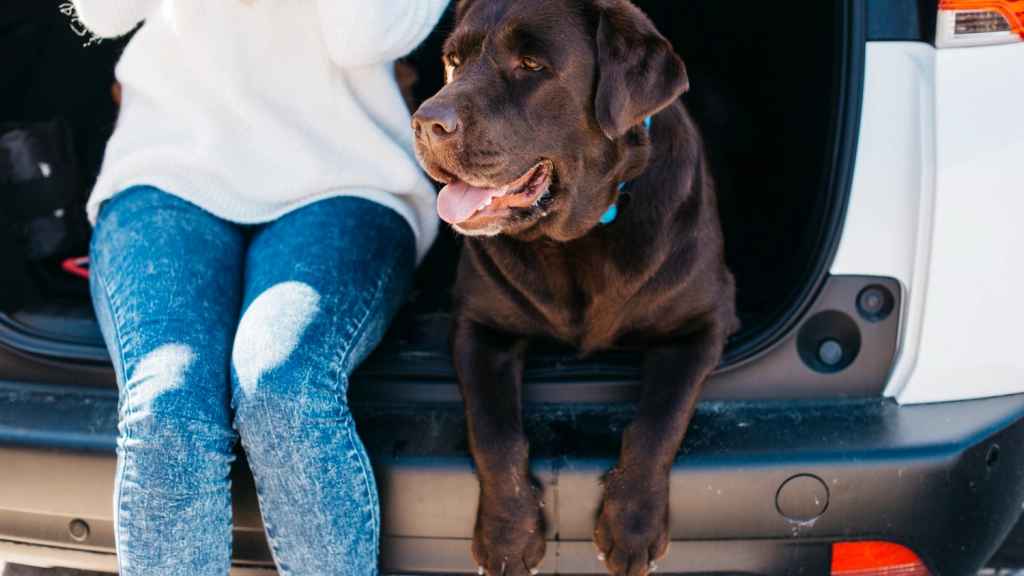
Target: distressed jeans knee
x,y
302,332
172,501
199,314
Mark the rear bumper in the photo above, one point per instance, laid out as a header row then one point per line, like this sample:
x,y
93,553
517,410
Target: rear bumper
x,y
923,476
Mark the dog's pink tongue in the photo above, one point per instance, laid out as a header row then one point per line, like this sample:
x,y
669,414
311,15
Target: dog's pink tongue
x,y
458,201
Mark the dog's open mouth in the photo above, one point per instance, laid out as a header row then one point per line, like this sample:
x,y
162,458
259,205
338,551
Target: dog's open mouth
x,y
460,201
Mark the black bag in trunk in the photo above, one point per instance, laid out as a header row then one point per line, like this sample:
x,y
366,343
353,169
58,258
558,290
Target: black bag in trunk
x,y
40,197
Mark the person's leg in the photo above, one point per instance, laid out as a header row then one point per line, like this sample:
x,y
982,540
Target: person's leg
x,y
166,284
321,285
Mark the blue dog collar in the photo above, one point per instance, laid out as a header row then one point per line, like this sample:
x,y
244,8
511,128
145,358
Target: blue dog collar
x,y
613,211
609,216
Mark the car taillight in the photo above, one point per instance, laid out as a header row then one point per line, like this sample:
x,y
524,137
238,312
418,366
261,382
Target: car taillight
x,y
875,559
979,22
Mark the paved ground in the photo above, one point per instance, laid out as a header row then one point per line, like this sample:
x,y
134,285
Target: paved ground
x,y
13,570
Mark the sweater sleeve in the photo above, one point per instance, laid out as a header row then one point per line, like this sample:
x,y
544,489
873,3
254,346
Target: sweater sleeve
x,y
359,33
112,18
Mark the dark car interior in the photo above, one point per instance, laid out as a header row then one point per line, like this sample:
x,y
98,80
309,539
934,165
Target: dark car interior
x,y
764,91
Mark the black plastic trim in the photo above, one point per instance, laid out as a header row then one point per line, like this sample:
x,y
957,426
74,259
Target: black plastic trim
x,y
902,20
915,475
424,372
415,366
23,338
1011,553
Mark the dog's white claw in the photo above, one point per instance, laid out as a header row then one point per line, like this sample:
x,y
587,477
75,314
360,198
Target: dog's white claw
x,y
600,556
654,566
534,570
480,570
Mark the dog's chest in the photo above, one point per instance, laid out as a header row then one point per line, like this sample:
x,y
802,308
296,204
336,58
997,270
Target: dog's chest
x,y
579,295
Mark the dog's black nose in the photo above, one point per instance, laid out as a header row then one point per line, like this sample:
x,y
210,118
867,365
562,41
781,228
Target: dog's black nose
x,y
435,122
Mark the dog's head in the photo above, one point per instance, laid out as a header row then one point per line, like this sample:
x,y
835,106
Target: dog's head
x,y
541,116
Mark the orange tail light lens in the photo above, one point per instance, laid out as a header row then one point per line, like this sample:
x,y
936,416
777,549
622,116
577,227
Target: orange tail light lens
x,y
978,22
875,559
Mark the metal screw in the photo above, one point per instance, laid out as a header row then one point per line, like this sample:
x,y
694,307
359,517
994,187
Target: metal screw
x,y
79,530
992,456
874,303
830,352
871,300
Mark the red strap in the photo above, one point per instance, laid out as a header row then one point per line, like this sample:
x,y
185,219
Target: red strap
x,y
78,266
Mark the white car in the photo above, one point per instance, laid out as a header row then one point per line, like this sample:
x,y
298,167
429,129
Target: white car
x,y
868,418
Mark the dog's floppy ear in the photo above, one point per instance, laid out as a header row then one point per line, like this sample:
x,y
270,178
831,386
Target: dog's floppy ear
x,y
461,8
638,73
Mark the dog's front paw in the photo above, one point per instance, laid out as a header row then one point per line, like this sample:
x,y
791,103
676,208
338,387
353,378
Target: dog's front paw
x,y
508,539
632,531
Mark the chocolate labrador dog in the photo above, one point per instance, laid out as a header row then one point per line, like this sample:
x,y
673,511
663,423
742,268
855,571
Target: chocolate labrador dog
x,y
586,222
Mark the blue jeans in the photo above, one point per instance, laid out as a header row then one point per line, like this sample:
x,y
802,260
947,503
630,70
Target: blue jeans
x,y
216,327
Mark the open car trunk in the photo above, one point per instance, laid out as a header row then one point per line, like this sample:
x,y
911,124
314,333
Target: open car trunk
x,y
777,95
778,110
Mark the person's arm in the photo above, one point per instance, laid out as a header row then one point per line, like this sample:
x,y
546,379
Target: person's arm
x,y
112,18
359,33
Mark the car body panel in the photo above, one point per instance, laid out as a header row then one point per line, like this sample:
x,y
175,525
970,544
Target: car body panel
x,y
936,198
917,475
974,310
887,231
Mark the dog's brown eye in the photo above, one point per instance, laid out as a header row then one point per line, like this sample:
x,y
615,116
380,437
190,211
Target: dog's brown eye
x,y
531,64
451,62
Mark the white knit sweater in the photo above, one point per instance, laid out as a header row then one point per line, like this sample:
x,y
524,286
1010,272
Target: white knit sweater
x,y
252,108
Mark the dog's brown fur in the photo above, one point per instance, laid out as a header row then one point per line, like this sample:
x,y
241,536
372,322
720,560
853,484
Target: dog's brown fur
x,y
653,279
